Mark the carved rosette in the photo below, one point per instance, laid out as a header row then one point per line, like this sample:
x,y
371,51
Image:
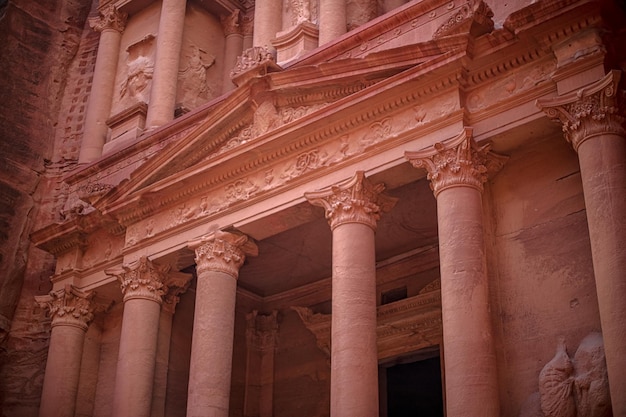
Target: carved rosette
x,y
354,201
458,162
262,330
69,307
222,252
591,111
231,23
109,18
142,279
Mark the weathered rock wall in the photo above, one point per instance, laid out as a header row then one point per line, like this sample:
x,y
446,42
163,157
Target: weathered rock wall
x,y
38,42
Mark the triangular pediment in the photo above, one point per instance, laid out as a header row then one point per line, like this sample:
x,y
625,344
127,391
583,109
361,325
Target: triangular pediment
x,y
272,106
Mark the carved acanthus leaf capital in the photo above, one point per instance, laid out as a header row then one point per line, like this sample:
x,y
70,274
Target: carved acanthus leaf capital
x,y
262,330
354,201
457,162
69,306
591,111
176,284
230,23
143,279
222,252
109,18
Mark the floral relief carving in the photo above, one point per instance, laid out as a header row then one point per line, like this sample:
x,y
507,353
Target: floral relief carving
x,y
305,162
222,252
594,110
474,17
143,279
458,162
109,18
177,283
354,201
240,190
69,306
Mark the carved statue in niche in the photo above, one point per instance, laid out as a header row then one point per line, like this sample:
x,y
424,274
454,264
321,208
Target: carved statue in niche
x,y
139,69
300,11
193,78
577,387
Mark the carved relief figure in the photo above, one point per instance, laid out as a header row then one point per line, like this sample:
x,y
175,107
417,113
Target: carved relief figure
x,y
577,387
300,11
193,78
139,76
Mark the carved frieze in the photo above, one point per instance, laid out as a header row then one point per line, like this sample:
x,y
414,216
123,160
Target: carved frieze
x,y
354,201
109,18
222,252
473,17
458,162
69,307
590,111
143,279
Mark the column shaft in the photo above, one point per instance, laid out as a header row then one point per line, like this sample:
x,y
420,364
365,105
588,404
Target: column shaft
x,y
354,357
212,345
162,361
267,22
58,398
332,20
470,360
136,359
234,48
603,171
167,62
110,24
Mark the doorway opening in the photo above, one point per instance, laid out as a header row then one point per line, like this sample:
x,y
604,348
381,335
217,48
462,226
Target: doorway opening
x,y
412,386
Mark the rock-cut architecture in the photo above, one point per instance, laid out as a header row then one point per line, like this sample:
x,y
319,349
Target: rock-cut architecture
x,y
312,208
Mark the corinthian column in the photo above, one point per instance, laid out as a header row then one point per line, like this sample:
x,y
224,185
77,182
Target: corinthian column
x,y
111,24
593,121
232,26
218,259
166,63
142,286
457,170
353,209
71,311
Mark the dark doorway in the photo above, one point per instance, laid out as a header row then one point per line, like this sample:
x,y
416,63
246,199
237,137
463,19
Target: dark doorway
x,y
414,389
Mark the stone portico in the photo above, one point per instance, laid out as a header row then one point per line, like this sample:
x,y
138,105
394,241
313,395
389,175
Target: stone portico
x,y
278,206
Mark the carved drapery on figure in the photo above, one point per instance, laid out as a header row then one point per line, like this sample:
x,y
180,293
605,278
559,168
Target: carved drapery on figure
x,y
109,18
354,201
459,161
223,251
590,111
142,279
69,306
573,387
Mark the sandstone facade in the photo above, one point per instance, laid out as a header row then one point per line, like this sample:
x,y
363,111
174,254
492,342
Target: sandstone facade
x,y
313,207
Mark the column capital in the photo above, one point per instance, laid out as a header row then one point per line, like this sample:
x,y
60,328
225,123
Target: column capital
x,y
222,252
143,279
247,24
262,330
109,17
356,200
231,23
69,306
591,111
457,162
176,284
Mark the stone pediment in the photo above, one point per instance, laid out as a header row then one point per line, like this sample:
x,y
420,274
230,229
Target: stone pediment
x,y
262,117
